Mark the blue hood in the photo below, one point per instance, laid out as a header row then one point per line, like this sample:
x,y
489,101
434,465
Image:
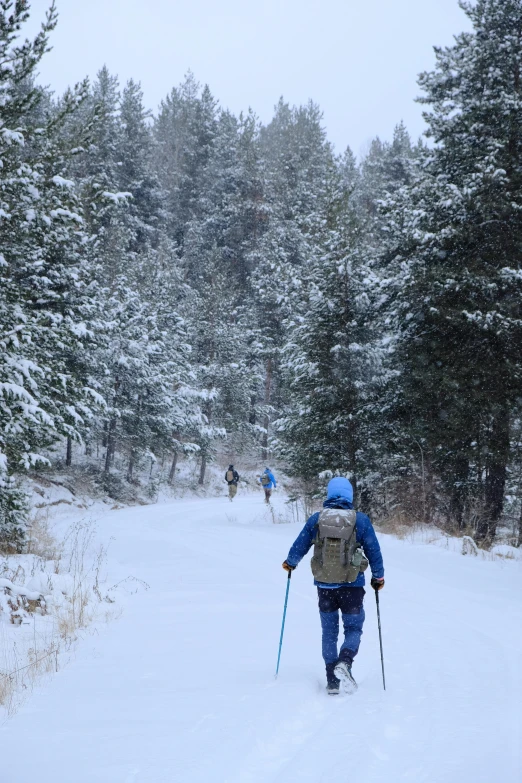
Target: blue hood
x,y
340,488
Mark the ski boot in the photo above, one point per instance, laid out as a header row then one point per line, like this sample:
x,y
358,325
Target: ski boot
x,y
332,683
343,670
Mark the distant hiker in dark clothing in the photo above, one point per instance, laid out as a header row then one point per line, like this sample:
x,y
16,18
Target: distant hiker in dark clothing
x,y
268,481
344,543
232,478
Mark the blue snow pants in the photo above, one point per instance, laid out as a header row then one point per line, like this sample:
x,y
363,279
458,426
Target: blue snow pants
x,y
349,601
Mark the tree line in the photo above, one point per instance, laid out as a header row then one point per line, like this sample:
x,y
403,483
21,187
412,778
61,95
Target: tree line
x,y
173,281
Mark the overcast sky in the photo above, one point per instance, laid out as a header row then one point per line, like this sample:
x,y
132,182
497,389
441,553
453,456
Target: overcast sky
x,y
358,59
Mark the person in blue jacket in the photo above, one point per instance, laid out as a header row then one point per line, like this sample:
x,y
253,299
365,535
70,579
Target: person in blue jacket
x,y
267,481
346,597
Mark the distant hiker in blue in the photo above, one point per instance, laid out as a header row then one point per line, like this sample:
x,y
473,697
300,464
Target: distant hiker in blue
x,y
344,543
268,481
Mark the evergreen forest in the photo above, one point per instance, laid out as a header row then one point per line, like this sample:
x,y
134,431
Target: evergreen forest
x,y
178,282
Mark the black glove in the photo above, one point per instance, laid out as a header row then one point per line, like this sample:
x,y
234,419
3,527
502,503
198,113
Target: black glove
x,y
377,583
288,567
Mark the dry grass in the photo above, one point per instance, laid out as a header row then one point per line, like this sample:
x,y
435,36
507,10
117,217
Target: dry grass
x,y
505,555
40,539
72,617
79,610
7,691
20,681
285,517
396,524
75,605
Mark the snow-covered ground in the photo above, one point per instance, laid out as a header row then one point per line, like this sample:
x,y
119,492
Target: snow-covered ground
x,y
181,687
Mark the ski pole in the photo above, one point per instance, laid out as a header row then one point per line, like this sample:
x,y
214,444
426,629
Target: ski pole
x,y
283,625
380,635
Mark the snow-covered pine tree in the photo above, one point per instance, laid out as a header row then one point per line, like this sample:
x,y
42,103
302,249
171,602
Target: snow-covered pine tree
x,y
145,213
327,356
231,220
44,296
386,169
209,165
296,158
388,457
458,277
184,132
218,346
166,417
141,360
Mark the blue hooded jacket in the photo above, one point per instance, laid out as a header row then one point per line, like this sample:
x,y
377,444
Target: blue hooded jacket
x,y
271,477
365,535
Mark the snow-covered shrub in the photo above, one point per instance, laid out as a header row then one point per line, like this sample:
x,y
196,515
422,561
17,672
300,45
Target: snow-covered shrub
x,y
469,547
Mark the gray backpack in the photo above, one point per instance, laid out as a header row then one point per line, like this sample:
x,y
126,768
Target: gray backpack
x,y
337,557
265,479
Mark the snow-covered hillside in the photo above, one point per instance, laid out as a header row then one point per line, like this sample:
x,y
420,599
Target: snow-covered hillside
x,y
181,688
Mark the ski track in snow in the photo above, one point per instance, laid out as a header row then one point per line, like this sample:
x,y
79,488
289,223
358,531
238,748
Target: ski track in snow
x,y
181,688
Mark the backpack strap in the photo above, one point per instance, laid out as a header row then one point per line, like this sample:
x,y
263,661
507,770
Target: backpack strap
x,y
346,548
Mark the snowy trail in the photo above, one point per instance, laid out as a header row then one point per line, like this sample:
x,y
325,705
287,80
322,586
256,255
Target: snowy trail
x,y
181,687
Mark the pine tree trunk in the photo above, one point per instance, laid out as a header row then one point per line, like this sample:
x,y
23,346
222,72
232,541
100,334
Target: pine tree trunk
x,y
252,414
428,493
355,487
172,473
111,445
130,470
352,456
202,469
68,456
266,421
264,441
366,500
495,477
459,491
